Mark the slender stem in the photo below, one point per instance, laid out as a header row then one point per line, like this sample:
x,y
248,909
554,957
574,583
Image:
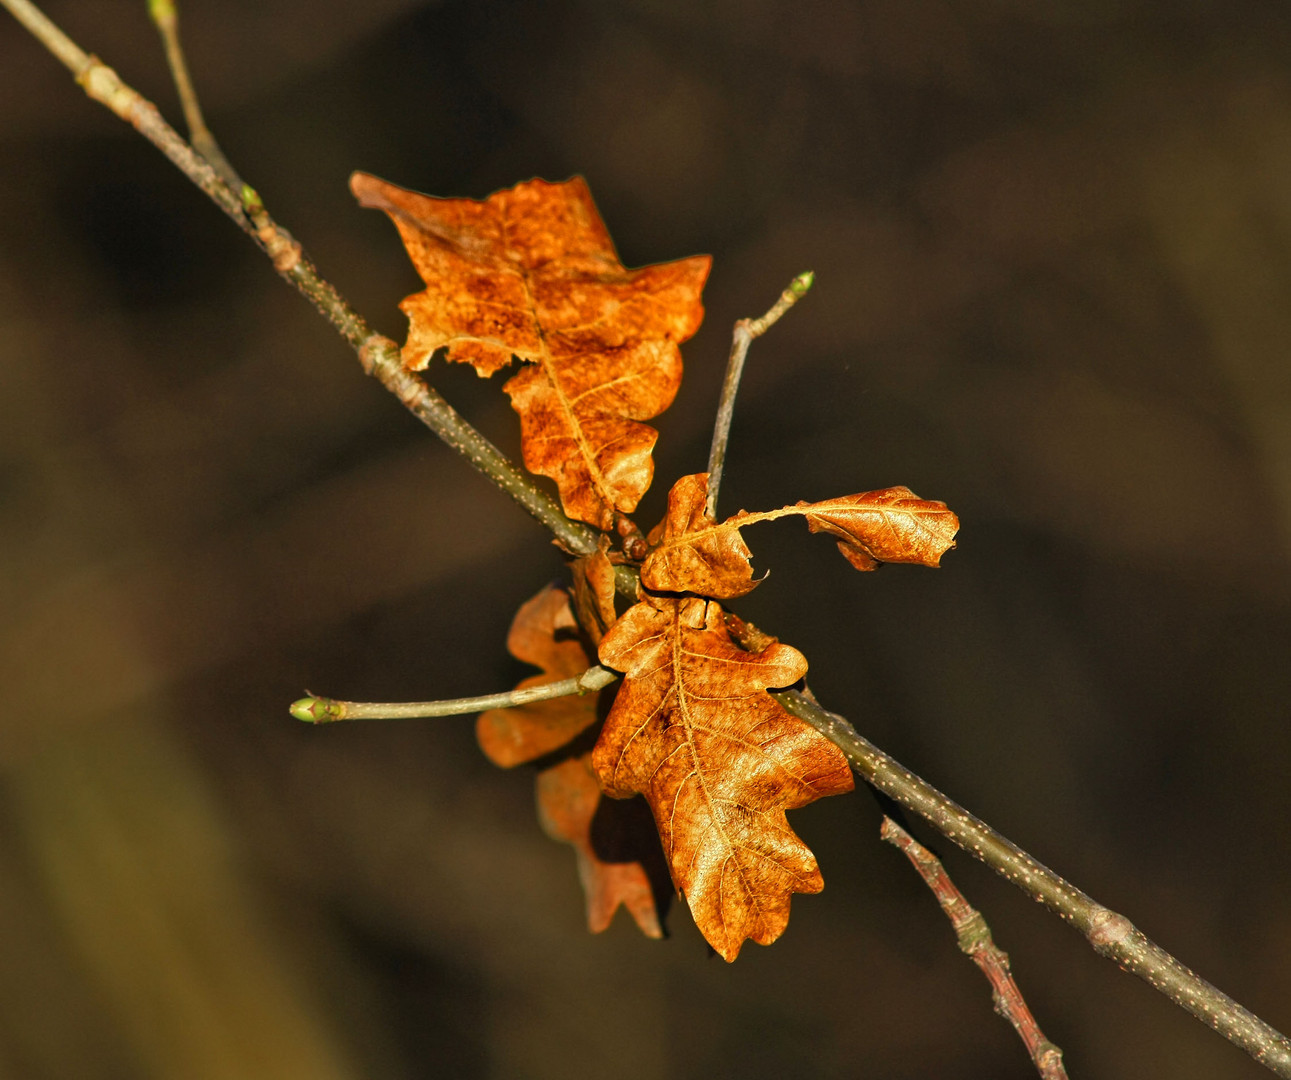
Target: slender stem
x,y
745,331
378,354
166,17
38,23
738,521
426,403
103,84
321,710
1110,934
975,940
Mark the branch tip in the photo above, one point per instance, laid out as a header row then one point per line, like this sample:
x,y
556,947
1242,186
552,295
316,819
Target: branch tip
x,y
974,938
317,710
161,11
802,283
745,331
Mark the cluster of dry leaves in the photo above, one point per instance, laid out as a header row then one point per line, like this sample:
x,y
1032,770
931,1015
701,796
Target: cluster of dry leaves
x,y
531,274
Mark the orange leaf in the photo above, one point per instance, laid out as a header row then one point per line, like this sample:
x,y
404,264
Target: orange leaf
x,y
544,634
889,525
594,589
568,796
531,272
693,553
512,736
719,762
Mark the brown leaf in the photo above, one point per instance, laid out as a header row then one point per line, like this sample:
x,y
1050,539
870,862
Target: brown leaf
x,y
889,525
512,736
568,795
747,636
719,762
531,272
543,633
694,554
594,589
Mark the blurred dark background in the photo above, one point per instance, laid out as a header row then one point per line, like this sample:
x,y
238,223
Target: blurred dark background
x,y
1053,252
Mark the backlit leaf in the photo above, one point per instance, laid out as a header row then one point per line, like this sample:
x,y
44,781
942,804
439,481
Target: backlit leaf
x,y
568,796
692,553
889,525
531,272
719,761
544,634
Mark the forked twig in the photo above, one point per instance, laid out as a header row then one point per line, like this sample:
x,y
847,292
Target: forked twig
x,y
974,938
378,354
1112,935
166,16
745,331
322,710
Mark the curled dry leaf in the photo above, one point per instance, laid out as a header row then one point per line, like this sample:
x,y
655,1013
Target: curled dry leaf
x,y
692,553
568,796
719,761
531,272
593,577
889,525
543,633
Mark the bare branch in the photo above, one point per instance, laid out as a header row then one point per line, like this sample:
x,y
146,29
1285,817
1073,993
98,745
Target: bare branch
x,y
974,938
379,355
745,331
103,84
1110,934
322,710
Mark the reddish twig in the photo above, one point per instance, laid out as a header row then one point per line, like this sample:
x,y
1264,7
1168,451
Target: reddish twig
x,y
975,939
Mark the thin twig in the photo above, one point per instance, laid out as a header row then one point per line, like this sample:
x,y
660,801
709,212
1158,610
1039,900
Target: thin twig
x,y
1110,934
378,355
975,940
103,84
321,710
166,17
745,331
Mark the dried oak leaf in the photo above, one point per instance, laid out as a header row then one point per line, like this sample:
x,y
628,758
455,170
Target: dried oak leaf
x,y
719,762
543,633
693,553
531,272
568,795
594,591
513,736
889,525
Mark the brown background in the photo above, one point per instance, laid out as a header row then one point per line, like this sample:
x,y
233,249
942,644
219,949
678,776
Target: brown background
x,y
1053,248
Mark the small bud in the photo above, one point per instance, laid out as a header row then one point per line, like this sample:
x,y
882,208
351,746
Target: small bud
x,y
802,283
315,710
